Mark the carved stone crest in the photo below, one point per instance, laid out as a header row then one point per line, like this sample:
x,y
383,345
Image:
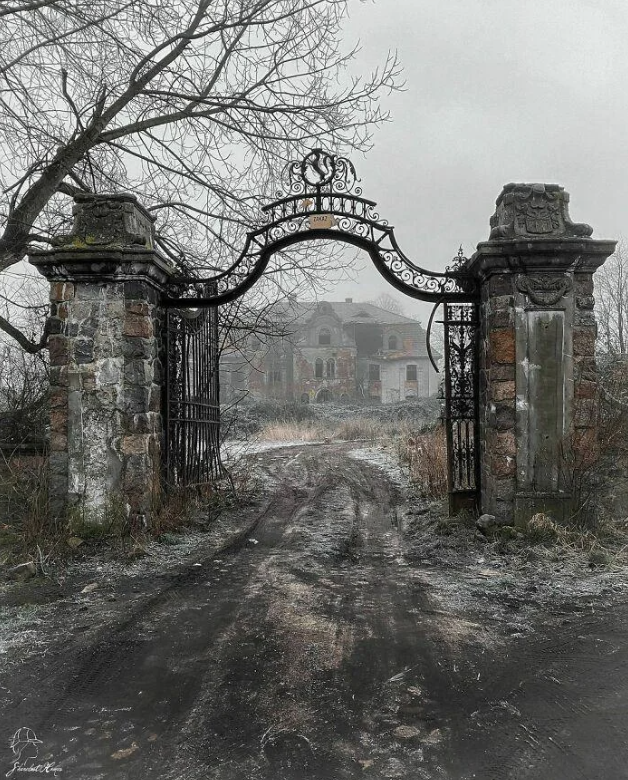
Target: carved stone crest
x,y
106,220
543,290
534,211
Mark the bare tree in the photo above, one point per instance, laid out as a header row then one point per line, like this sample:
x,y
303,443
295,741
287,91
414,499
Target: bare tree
x,y
386,301
194,105
611,302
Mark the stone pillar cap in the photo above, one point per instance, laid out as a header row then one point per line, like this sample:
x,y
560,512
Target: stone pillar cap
x,y
534,211
109,221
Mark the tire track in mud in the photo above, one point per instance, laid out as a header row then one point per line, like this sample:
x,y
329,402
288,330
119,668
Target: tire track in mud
x,y
82,672
317,652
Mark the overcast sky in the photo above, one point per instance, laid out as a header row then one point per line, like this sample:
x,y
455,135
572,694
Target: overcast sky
x,y
496,91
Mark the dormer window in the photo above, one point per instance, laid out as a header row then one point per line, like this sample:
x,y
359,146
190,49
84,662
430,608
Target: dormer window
x,y
393,342
324,337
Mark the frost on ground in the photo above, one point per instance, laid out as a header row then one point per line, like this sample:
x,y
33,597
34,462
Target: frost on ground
x,y
383,460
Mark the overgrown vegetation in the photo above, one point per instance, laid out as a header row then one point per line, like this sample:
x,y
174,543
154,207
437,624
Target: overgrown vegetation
x,y
29,533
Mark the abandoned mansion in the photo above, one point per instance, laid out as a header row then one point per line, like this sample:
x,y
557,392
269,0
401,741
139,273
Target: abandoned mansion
x,y
326,351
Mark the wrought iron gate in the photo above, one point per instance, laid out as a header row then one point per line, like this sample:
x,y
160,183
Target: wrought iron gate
x,y
321,201
461,404
192,402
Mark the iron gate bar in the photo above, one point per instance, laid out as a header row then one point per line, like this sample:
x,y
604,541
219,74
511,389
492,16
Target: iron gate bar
x,y
192,399
461,405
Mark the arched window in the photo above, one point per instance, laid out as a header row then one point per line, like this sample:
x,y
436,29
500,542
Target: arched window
x,y
331,369
393,342
324,337
318,368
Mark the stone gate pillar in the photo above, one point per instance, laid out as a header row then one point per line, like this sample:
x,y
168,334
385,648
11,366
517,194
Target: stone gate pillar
x,y
538,390
105,362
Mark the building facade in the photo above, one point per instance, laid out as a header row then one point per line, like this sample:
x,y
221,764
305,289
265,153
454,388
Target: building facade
x,y
332,352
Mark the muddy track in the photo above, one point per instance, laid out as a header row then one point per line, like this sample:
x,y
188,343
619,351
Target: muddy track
x,y
311,648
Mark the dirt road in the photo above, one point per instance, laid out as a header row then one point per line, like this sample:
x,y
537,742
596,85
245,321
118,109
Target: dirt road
x,y
320,649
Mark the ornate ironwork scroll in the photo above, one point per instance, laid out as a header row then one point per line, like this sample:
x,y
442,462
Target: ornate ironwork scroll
x,y
321,200
192,402
461,404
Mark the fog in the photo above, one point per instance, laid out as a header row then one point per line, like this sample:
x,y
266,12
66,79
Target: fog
x,y
496,91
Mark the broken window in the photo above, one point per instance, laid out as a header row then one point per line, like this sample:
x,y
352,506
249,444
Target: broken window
x,y
318,368
393,342
374,372
331,369
324,337
411,373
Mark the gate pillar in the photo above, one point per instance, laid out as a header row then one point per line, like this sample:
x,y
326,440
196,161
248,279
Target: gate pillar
x,y
105,328
538,383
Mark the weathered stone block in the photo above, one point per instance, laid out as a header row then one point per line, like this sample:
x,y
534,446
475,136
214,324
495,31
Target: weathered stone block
x,y
61,291
585,389
136,399
58,441
500,284
584,341
138,372
585,369
503,444
583,284
502,373
138,349
140,291
59,375
108,371
135,444
88,378
501,303
503,318
503,391
90,292
89,326
584,318
585,412
58,350
59,420
503,466
83,351
502,346
139,308
585,301
137,326
148,422
56,327
58,397
504,416
155,398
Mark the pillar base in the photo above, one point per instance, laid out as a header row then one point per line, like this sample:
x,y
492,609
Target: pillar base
x,y
559,506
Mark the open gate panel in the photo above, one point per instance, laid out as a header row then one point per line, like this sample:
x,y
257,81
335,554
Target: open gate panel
x,y
461,405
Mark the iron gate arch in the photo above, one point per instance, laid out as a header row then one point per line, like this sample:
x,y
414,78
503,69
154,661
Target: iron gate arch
x,y
324,202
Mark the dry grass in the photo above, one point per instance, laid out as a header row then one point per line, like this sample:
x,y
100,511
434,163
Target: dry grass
x,y
292,430
358,429
425,453
25,529
426,456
